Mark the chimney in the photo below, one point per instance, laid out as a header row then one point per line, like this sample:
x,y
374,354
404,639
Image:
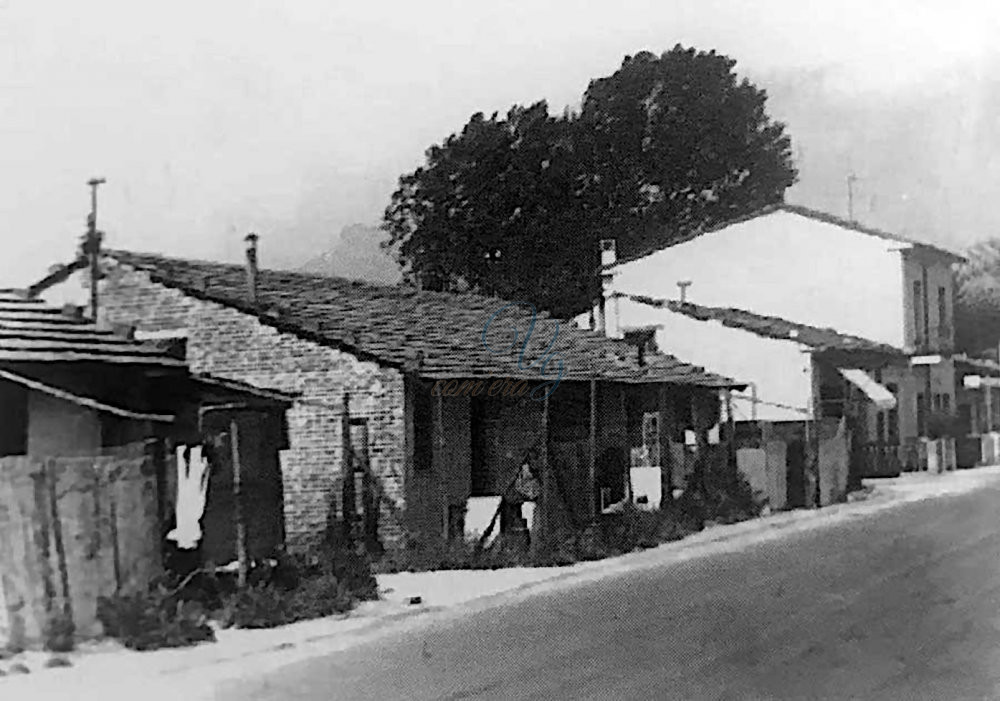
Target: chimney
x,y
683,285
608,306
251,241
608,256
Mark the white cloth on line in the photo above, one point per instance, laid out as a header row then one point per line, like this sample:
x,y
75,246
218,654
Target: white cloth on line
x,y
192,492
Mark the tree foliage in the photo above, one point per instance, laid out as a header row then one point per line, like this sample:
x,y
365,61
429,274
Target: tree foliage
x,y
515,205
977,305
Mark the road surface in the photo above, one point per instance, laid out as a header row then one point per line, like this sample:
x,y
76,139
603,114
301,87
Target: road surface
x,y
902,604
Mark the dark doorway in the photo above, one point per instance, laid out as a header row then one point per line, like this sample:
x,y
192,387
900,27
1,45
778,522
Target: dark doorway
x,y
361,492
795,476
612,475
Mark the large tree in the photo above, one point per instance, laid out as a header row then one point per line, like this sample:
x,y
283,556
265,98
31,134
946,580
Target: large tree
x,y
515,205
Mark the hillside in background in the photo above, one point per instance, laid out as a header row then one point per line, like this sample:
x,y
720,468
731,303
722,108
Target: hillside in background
x,y
355,254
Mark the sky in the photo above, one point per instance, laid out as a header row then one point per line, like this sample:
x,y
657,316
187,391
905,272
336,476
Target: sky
x,y
294,120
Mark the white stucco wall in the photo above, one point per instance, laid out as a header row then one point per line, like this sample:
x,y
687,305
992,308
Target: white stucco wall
x,y
780,370
787,265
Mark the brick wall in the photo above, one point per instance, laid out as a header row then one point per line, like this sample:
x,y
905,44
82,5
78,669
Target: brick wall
x,y
228,343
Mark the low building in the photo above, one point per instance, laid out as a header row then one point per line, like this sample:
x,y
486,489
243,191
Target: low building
x,y
815,390
812,268
79,505
70,388
978,399
412,407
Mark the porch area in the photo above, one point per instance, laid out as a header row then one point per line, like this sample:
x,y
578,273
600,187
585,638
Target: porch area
x,y
535,471
978,398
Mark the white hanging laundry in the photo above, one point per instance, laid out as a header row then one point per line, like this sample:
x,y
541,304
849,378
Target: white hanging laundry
x,y
192,491
528,513
647,490
479,512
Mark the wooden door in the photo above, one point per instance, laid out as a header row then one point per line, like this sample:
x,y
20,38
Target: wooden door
x,y
361,491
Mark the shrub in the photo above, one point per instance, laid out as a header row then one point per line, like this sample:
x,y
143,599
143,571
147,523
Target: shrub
x,y
727,496
353,570
256,606
617,534
153,619
59,634
302,587
266,605
318,597
464,554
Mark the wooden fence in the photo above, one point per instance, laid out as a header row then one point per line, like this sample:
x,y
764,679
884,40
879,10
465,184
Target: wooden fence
x,y
72,530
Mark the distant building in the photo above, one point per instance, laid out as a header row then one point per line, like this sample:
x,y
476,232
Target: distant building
x,y
795,374
796,266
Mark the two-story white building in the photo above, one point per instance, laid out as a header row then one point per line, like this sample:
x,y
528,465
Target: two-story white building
x,y
811,268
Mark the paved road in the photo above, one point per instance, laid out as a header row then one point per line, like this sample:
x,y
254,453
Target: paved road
x,y
904,604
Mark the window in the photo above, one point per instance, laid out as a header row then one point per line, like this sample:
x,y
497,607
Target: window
x,y
921,415
946,403
942,306
918,308
456,522
423,427
481,428
682,415
880,420
648,454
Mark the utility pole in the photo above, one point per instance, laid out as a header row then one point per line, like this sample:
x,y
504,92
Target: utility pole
x,y
851,178
92,245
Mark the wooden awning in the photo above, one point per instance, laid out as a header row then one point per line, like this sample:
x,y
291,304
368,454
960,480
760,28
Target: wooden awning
x,y
83,401
879,395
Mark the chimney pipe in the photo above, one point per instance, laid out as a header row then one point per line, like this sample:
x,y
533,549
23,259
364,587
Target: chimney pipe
x,y
683,285
252,270
608,254
608,312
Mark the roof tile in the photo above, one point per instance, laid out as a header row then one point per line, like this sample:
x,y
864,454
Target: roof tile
x,y
389,324
771,326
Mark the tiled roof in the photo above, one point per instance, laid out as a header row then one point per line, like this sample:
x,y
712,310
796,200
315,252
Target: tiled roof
x,y
771,326
982,365
436,334
803,212
32,331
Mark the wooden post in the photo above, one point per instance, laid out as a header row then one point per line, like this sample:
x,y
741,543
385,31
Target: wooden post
x,y
666,455
41,530
63,635
701,442
542,514
592,455
623,417
989,408
241,539
437,464
346,475
731,430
